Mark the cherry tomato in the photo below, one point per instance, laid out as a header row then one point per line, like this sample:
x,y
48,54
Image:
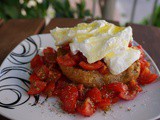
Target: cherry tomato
x,y
94,94
87,108
66,60
33,77
93,66
37,87
53,75
41,72
104,104
117,87
36,61
49,89
69,96
126,95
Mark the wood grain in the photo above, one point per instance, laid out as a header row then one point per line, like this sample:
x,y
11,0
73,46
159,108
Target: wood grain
x,y
66,22
16,30
149,38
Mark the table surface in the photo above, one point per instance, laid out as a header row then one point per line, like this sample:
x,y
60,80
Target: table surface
x,y
16,30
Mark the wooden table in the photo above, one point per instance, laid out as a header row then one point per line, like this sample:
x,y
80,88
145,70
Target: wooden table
x,y
14,31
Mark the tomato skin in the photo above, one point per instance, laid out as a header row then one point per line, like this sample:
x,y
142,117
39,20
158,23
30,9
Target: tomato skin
x,y
93,66
37,87
41,72
94,94
36,61
128,95
66,60
117,87
104,104
54,75
49,89
87,108
33,77
69,96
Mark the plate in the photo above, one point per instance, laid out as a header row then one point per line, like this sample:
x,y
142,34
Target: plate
x,y
15,103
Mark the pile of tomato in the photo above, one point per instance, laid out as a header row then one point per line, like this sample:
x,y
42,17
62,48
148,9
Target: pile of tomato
x,y
47,79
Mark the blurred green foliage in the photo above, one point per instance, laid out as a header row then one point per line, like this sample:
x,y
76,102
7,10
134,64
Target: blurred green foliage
x,y
155,19
16,9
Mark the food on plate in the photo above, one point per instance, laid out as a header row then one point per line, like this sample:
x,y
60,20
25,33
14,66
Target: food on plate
x,y
94,66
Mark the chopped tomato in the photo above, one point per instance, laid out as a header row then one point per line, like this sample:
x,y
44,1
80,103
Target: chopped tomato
x,y
66,60
115,99
76,58
93,66
87,108
54,75
61,83
69,96
148,79
66,47
141,50
130,44
144,64
49,89
117,87
49,55
128,95
103,70
36,61
33,77
133,85
48,50
104,104
94,94
41,72
37,87
81,95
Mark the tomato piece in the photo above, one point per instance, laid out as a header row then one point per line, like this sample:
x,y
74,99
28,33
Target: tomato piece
x,y
144,64
49,89
49,55
69,96
53,75
130,44
103,70
81,92
33,77
147,80
117,87
66,47
41,72
87,108
133,85
48,50
94,94
115,99
37,87
93,66
128,95
36,61
104,104
141,50
66,60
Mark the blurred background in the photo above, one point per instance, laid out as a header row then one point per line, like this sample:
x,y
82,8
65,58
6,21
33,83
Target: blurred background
x,y
136,11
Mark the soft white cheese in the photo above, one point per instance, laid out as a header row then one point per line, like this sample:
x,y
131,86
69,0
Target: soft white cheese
x,y
100,40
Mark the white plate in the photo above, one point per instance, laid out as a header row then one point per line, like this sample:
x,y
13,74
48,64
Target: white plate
x,y
16,104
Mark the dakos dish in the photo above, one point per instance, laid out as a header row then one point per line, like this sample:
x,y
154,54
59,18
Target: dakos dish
x,y
94,66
